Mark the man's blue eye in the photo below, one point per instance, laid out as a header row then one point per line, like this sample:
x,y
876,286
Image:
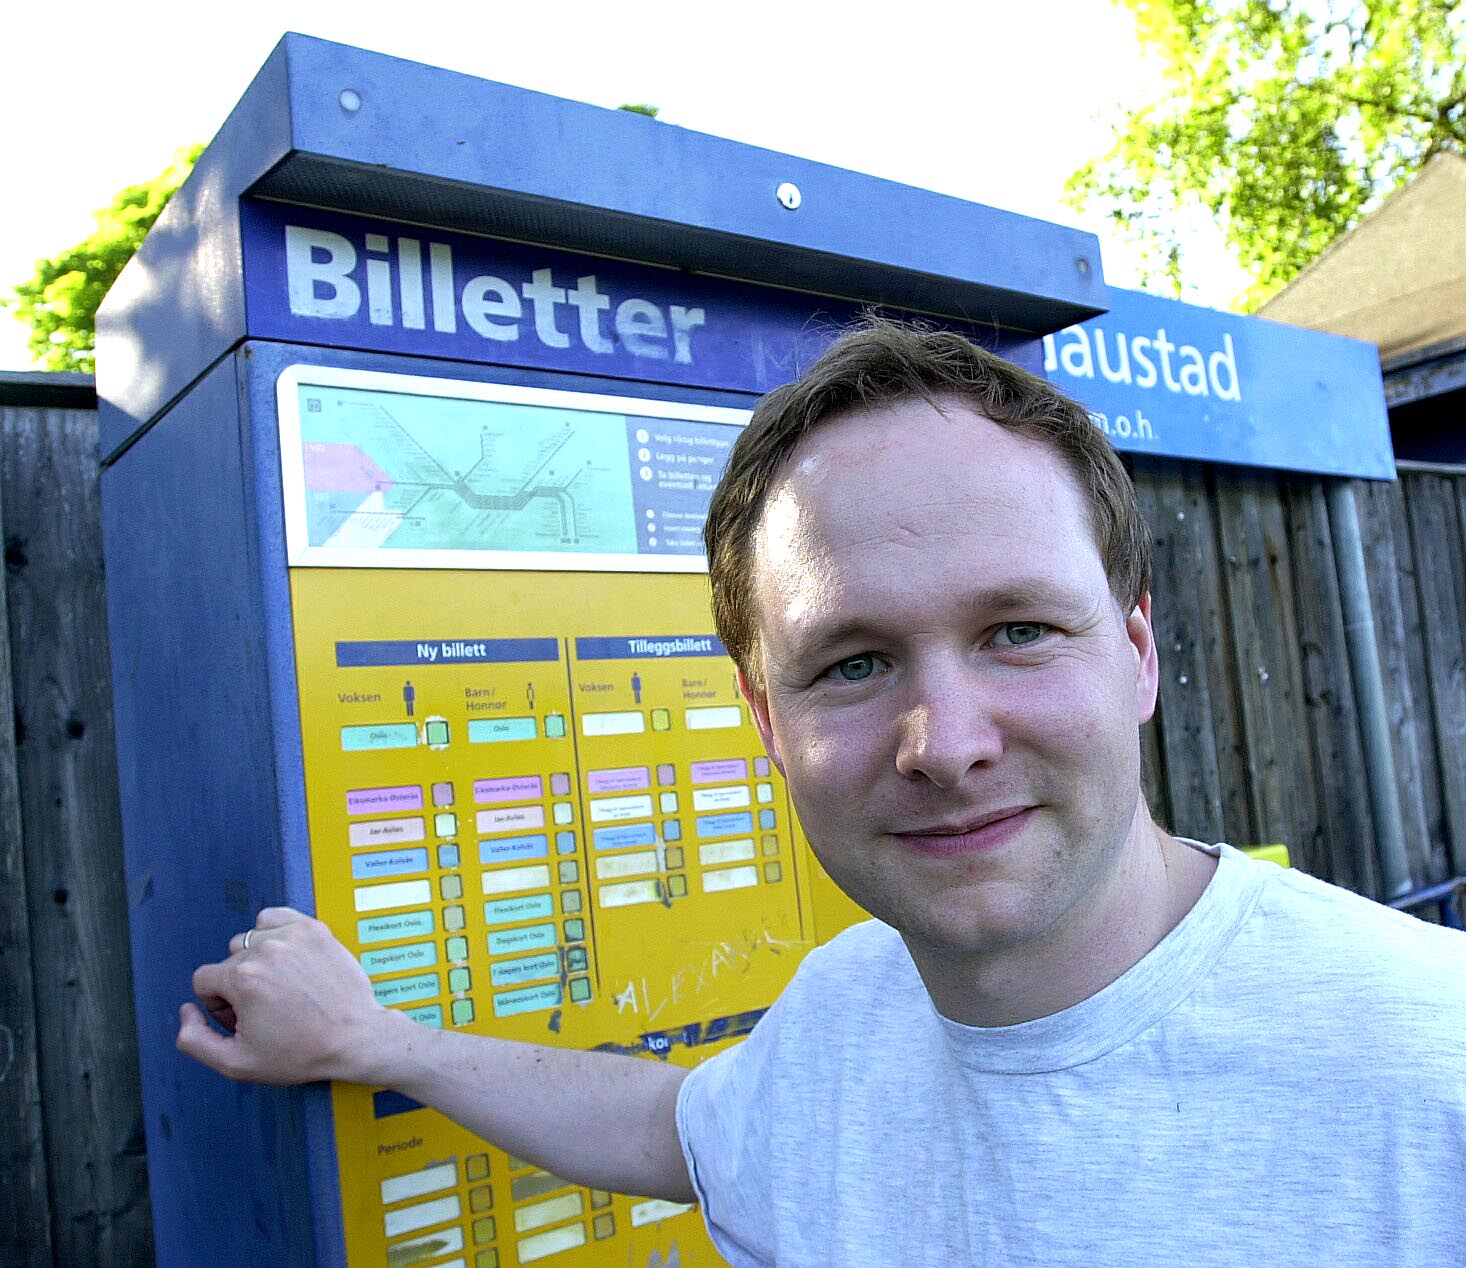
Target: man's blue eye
x,y
1017,633
854,668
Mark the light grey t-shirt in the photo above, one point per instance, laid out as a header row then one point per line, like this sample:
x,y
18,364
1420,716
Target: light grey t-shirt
x,y
1282,1081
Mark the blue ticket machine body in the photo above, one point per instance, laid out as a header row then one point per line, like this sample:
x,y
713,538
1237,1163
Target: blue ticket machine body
x,y
412,404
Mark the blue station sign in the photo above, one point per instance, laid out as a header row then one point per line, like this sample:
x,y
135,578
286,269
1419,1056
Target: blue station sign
x,y
1175,380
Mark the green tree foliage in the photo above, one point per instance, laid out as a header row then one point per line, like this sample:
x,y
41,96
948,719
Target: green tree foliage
x,y
1284,120
60,302
651,112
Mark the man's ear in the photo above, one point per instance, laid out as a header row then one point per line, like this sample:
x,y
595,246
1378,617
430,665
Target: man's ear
x,y
1141,636
758,706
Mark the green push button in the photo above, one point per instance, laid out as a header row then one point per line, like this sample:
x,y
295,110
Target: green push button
x,y
576,960
459,981
435,733
457,950
661,720
575,931
580,989
554,726
462,1012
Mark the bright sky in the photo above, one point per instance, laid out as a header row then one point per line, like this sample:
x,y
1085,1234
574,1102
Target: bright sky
x,y
989,100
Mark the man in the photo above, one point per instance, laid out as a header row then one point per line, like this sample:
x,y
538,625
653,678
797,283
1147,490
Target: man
x,y
1072,1038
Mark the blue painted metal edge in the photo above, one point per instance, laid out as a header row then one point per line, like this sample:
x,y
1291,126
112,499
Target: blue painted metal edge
x,y
551,150
179,306
256,385
203,775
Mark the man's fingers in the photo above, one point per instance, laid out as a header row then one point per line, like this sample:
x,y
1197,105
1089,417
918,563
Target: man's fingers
x,y
278,917
210,983
286,999
198,1040
269,918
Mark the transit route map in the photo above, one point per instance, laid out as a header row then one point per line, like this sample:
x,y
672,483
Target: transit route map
x,y
386,470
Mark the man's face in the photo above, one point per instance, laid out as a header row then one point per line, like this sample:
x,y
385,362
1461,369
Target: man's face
x,y
947,682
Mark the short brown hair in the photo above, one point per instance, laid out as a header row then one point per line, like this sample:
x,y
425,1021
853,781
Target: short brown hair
x,y
881,362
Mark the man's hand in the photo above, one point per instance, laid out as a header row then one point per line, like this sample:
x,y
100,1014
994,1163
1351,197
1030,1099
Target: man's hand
x,y
301,1009
298,1004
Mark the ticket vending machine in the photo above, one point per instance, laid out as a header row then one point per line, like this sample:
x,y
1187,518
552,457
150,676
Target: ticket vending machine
x,y
412,405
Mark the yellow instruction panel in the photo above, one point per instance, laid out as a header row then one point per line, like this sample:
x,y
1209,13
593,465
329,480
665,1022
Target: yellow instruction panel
x,y
537,806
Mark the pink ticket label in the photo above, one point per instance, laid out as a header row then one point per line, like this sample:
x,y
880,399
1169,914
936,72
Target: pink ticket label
x,y
371,801
511,820
717,772
623,779
489,792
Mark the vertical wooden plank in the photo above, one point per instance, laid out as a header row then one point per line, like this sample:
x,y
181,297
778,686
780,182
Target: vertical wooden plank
x,y
1280,774
1185,739
1425,863
74,879
1457,843
1435,532
25,1216
1219,652
1328,692
1390,570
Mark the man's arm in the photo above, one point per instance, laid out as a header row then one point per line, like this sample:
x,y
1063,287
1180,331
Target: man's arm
x,y
302,1009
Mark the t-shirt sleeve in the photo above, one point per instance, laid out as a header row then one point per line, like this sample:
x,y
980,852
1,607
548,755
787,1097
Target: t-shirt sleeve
x,y
723,1121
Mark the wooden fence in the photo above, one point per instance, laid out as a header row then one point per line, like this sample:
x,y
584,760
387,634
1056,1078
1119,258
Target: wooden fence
x,y
1256,740
73,1176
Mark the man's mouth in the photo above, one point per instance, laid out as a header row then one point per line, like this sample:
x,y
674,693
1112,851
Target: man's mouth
x,y
970,835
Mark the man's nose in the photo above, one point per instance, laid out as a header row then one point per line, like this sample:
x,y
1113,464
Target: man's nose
x,y
948,725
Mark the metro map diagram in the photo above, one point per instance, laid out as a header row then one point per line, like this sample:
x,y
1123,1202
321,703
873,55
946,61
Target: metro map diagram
x,y
388,470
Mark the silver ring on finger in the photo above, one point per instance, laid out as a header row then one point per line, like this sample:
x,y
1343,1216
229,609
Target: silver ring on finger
x,y
247,934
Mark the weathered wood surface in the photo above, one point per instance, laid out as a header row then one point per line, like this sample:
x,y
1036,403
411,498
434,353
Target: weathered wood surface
x,y
1263,632
1210,595
1346,849
25,1195
1184,730
1395,604
86,1045
1257,735
1440,554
